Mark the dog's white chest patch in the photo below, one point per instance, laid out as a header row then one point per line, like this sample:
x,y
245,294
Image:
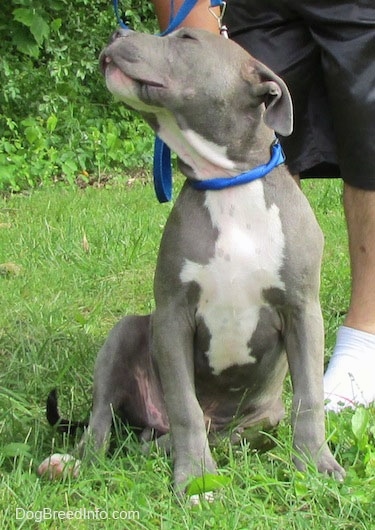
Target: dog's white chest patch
x,y
248,258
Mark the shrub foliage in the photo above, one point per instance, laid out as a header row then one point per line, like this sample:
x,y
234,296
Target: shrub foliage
x,y
57,119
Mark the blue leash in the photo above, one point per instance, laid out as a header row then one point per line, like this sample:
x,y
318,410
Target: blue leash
x,y
120,22
175,21
162,166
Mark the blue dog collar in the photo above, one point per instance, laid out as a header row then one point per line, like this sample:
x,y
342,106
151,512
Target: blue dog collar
x,y
163,172
277,158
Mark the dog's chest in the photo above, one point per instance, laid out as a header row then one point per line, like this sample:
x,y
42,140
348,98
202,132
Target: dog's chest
x,y
247,260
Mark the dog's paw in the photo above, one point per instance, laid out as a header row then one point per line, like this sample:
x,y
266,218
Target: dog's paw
x,y
59,465
329,466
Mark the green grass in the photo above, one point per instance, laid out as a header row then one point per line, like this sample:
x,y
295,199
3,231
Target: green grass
x,y
72,262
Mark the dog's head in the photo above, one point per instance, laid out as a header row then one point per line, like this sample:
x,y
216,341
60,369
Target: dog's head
x,y
200,84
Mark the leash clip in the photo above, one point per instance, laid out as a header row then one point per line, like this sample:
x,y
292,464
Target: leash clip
x,y
219,18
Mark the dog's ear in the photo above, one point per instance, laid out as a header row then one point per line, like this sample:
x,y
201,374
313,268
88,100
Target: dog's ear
x,y
275,94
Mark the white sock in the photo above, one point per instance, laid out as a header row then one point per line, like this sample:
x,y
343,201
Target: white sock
x,y
350,376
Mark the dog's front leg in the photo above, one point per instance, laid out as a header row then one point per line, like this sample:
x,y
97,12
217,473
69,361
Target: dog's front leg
x,y
173,339
304,343
96,436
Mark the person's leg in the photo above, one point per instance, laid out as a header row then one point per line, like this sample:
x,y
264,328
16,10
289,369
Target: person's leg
x,y
360,215
345,35
350,377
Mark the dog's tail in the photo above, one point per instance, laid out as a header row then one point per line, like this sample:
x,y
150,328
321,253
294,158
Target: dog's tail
x,y
54,418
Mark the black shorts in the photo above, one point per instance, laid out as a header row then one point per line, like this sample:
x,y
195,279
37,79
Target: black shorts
x,y
325,52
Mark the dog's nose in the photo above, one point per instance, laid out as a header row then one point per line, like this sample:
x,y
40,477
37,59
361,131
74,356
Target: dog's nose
x,y
119,33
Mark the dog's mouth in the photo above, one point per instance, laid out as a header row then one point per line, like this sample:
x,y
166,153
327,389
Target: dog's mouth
x,y
107,62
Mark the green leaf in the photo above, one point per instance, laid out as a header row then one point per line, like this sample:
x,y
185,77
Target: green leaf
x,y
360,422
112,140
15,449
24,15
25,44
56,24
32,135
35,22
69,166
39,28
29,122
51,123
300,488
206,483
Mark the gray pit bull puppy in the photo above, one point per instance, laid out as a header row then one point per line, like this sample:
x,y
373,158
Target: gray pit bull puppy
x,y
237,277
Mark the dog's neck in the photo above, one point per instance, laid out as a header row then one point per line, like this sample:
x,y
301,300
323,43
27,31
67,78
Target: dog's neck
x,y
201,159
